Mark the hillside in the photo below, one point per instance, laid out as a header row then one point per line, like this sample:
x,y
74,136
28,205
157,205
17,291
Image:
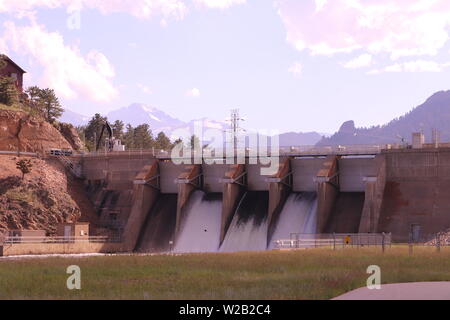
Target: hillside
x,y
47,196
20,131
433,114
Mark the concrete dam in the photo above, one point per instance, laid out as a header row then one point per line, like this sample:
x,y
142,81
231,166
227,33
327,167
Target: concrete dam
x,y
158,206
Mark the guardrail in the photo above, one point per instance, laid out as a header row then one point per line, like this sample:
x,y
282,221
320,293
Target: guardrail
x,y
19,154
53,240
334,240
293,151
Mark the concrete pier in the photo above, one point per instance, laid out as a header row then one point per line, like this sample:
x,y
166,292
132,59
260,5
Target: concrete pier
x,y
327,180
188,181
280,185
374,192
145,194
234,183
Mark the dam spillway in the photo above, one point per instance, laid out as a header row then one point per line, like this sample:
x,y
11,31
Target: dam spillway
x,y
347,213
369,194
200,230
248,230
159,228
299,216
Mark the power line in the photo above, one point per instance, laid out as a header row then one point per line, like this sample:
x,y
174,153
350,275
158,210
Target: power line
x,y
235,129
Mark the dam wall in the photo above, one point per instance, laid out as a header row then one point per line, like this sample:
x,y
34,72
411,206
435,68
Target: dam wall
x,y
374,193
158,202
416,202
280,186
145,195
327,180
234,183
188,181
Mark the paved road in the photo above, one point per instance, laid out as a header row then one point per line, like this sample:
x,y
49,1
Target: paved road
x,y
405,291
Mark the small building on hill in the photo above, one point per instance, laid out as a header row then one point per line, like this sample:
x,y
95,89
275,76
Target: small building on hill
x,y
12,70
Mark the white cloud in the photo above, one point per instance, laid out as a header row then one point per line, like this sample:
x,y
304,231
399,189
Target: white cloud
x,y
218,4
361,61
143,9
145,89
398,27
296,69
320,4
413,66
65,69
193,93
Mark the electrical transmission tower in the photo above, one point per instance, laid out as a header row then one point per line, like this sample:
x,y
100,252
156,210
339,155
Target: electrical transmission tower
x,y
235,129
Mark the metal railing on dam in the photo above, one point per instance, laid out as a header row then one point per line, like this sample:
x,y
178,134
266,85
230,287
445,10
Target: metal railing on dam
x,y
248,152
334,240
53,240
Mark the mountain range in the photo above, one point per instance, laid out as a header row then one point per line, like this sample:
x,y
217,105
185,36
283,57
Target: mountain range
x,y
434,113
138,113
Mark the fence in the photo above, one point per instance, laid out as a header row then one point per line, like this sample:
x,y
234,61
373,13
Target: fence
x,y
19,154
334,240
52,240
294,150
130,152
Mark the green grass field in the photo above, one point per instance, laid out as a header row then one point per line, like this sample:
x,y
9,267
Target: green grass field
x,y
309,274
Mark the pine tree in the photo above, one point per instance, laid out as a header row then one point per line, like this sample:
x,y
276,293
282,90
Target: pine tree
x,y
34,101
128,137
51,106
163,142
8,91
118,127
143,138
93,131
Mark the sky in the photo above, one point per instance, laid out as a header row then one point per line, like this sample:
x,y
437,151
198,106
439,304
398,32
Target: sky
x,y
288,65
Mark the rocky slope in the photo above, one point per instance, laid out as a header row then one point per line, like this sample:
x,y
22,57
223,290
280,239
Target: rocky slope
x,y
20,131
47,196
69,133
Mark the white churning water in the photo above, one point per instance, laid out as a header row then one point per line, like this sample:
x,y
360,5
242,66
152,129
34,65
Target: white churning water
x,y
248,229
299,215
200,231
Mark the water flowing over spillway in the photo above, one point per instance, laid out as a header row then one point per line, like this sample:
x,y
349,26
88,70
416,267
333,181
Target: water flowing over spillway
x,y
299,215
159,227
200,230
248,230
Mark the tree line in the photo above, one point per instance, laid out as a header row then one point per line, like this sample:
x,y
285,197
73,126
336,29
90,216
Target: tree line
x,y
140,137
37,101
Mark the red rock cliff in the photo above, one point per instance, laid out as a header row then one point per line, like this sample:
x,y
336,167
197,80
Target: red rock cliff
x,y
20,131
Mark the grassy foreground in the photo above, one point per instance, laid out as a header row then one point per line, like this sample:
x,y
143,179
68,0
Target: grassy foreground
x,y
311,274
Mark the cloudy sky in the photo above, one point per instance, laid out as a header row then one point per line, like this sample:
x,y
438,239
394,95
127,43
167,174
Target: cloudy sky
x,y
298,65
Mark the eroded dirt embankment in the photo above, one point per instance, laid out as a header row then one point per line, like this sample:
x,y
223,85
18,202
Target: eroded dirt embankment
x,y
47,196
21,132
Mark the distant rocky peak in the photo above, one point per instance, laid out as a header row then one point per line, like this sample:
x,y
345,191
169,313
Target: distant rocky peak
x,y
348,127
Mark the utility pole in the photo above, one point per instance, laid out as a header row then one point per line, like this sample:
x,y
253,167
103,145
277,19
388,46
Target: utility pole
x,y
235,129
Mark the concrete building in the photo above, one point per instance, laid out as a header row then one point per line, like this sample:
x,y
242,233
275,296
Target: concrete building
x,y
418,140
78,230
